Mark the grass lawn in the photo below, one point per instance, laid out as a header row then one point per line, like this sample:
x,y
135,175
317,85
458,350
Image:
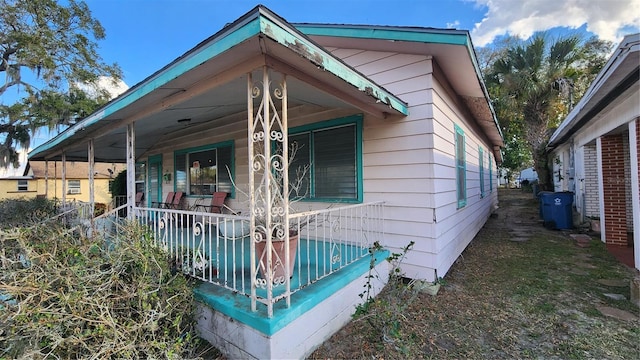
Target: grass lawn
x,y
539,297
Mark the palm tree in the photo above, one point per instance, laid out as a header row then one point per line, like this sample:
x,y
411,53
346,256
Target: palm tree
x,y
535,82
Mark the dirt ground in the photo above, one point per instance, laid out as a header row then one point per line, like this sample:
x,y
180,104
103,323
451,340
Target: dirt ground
x,y
518,291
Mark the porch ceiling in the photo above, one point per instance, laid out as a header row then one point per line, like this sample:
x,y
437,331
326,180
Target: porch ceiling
x,y
208,85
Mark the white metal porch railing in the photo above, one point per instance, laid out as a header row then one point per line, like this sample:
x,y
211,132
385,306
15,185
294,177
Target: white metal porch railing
x,y
76,213
216,248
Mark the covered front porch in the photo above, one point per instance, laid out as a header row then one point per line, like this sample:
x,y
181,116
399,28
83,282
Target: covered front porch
x,y
220,119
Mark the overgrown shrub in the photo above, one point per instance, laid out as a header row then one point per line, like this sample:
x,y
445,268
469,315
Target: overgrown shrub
x,y
64,297
25,212
385,313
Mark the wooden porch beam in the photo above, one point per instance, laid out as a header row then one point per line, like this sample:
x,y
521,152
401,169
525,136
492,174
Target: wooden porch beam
x,y
198,88
92,167
131,169
64,178
282,67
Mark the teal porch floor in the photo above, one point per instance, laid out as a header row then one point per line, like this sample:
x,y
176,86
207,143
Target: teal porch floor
x,y
321,269
238,306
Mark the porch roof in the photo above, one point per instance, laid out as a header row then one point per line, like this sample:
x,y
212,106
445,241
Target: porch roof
x,y
619,74
209,82
451,48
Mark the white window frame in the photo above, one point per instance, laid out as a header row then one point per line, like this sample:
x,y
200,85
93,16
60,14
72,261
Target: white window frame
x,y
74,187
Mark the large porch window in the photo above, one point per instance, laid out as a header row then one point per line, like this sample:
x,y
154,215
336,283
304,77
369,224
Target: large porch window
x,y
202,171
333,151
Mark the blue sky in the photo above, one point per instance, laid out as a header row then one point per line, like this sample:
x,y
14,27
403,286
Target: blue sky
x,y
145,35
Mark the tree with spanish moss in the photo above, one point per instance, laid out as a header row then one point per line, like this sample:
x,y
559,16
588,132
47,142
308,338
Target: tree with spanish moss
x,y
47,49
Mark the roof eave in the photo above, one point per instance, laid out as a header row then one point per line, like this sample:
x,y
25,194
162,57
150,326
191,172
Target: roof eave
x,y
585,109
421,35
258,22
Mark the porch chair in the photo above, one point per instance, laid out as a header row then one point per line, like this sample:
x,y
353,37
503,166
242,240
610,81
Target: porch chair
x,y
176,204
217,203
139,198
168,201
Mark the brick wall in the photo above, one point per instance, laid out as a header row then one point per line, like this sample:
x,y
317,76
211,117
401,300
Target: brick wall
x,y
591,191
615,207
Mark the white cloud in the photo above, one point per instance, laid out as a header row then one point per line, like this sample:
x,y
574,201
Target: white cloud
x,y
453,25
608,19
106,83
10,171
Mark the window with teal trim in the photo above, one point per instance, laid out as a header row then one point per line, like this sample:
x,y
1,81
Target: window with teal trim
x,y
490,174
481,171
202,171
331,150
461,167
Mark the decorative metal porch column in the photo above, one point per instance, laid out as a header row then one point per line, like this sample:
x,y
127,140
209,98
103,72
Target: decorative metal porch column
x,y
268,185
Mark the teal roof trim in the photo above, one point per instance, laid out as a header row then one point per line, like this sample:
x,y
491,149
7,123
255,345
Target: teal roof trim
x,y
172,71
328,62
381,33
253,24
422,35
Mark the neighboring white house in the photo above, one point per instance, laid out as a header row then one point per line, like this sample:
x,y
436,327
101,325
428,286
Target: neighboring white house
x,y
528,174
387,115
595,149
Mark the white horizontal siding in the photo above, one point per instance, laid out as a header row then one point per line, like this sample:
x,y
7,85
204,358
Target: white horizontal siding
x,y
397,154
455,228
403,157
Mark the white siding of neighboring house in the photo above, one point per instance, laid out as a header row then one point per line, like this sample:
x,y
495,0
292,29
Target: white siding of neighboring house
x,y
614,117
579,181
590,164
410,164
559,165
619,115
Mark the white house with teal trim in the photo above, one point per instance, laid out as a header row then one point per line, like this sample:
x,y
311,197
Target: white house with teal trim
x,y
395,130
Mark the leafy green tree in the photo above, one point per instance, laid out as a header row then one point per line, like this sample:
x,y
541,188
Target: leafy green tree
x,y
46,49
533,86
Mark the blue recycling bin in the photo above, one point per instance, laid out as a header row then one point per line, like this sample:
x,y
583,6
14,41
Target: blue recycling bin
x,y
557,210
540,202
